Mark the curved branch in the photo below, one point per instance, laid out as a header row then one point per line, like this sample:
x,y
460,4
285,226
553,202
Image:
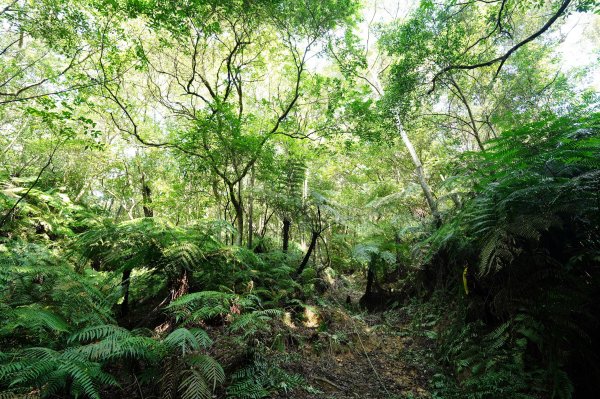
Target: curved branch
x,y
502,59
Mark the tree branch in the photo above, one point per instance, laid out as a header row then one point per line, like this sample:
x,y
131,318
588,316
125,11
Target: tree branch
x,y
502,59
37,179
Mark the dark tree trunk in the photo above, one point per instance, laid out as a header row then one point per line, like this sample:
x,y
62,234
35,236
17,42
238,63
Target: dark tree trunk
x,y
178,287
125,282
369,300
370,280
148,211
286,233
313,243
240,227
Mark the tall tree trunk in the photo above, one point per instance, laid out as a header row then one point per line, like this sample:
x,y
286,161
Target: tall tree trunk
x,y
313,243
419,170
236,201
286,233
239,239
304,198
250,209
369,300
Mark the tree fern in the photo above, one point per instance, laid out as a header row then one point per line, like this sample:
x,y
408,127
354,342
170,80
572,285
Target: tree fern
x,y
531,231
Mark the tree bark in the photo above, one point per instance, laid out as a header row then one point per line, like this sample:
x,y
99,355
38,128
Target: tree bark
x,y
368,300
313,243
236,201
419,170
181,286
125,282
286,233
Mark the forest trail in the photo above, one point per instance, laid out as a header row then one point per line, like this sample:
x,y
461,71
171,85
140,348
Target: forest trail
x,y
337,349
356,356
343,352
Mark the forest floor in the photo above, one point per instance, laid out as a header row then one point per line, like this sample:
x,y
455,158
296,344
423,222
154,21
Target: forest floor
x,y
357,357
343,352
339,350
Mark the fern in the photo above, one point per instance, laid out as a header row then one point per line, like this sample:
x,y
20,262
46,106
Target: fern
x,y
200,306
32,316
186,341
255,322
261,378
49,370
531,228
209,368
194,386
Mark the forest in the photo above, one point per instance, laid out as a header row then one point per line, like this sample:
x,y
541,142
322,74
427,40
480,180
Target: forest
x,y
394,199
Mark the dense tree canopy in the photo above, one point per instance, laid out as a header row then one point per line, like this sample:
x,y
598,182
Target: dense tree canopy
x,y
299,198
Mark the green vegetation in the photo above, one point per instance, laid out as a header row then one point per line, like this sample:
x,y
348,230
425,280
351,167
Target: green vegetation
x,y
299,198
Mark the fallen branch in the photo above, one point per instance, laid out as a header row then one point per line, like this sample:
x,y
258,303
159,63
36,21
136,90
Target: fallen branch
x,y
325,380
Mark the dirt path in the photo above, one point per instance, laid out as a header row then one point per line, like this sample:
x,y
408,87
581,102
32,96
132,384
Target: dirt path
x,y
355,358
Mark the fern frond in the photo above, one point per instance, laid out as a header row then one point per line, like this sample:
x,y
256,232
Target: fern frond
x,y
194,386
187,341
210,369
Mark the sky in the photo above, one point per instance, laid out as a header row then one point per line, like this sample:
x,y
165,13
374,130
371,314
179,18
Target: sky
x,y
581,46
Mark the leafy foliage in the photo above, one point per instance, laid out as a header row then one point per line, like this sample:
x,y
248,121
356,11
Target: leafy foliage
x,y
531,232
186,187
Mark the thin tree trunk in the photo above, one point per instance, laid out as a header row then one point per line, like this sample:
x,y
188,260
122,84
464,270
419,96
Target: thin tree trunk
x,y
286,233
473,124
400,267
80,193
250,209
9,213
146,198
419,170
239,211
125,282
313,243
